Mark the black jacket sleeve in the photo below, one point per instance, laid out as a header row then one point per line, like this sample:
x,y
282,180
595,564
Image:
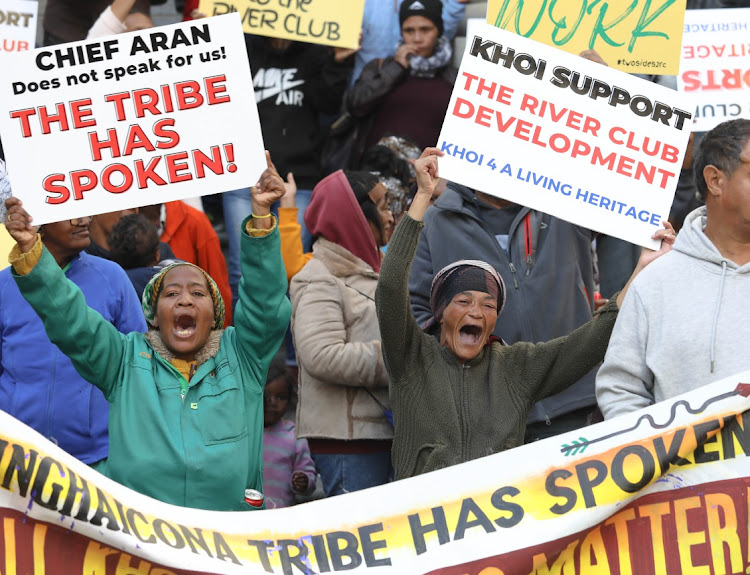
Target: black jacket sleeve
x,y
377,79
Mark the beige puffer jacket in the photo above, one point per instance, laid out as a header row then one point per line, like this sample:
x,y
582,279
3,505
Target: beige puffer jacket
x,y
337,341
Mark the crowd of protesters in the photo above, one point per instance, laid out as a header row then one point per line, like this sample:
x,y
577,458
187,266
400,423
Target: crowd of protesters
x,y
388,281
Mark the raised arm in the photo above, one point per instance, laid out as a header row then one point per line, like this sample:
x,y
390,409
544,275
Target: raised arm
x,y
553,366
292,250
263,310
399,331
94,345
420,278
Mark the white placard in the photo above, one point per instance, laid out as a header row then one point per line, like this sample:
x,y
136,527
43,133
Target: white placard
x,y
564,135
131,120
715,65
18,20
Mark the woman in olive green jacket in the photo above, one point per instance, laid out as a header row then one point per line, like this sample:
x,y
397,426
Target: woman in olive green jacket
x,y
467,396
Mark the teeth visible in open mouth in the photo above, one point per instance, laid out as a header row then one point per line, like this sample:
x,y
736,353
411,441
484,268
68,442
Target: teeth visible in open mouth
x,y
184,326
470,334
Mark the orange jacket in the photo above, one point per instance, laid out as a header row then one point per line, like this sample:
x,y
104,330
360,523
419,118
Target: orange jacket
x,y
192,238
291,242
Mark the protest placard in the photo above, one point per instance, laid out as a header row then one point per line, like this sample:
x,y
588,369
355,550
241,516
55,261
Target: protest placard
x,y
715,65
636,36
661,490
130,120
327,22
18,25
564,135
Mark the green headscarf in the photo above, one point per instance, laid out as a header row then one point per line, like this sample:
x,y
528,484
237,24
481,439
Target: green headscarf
x,y
153,289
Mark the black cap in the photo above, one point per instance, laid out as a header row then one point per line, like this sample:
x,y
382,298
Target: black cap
x,y
430,9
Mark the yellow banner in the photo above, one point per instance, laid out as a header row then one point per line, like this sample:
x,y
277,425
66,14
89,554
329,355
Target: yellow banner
x,y
317,21
635,36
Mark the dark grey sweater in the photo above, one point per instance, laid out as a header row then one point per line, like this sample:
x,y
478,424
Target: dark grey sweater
x,y
447,413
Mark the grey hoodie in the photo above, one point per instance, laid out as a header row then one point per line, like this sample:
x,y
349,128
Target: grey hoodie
x,y
684,323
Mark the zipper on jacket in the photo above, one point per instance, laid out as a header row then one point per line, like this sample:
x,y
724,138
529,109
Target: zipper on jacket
x,y
521,303
185,451
191,373
513,271
529,244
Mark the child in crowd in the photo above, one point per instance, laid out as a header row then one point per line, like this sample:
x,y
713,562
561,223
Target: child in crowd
x,y
287,465
134,244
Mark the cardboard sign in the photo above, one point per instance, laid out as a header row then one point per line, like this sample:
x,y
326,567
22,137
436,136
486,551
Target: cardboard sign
x,y
564,135
130,120
662,490
636,36
715,65
18,20
327,22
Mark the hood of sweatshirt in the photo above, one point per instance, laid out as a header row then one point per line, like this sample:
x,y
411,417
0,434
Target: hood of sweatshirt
x,y
693,241
455,198
334,214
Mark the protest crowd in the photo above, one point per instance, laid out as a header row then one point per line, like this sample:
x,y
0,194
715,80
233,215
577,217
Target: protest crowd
x,y
351,318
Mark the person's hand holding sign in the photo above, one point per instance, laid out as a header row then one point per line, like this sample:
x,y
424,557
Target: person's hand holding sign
x,y
18,224
593,56
270,187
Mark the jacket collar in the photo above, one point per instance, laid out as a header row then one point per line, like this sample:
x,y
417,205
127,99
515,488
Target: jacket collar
x,y
472,362
77,261
463,199
340,261
209,350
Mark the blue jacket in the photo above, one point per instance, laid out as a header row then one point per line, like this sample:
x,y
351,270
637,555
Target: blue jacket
x,y
38,384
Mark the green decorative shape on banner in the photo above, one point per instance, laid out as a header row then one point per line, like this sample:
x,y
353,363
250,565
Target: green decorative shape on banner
x,y
575,447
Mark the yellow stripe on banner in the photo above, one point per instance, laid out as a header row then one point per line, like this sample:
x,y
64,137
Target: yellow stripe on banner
x,y
9,529
40,533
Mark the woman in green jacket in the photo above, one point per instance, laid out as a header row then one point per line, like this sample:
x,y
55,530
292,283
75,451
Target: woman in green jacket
x,y
186,399
466,396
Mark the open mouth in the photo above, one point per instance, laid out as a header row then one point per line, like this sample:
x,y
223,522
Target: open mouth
x,y
470,334
184,326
